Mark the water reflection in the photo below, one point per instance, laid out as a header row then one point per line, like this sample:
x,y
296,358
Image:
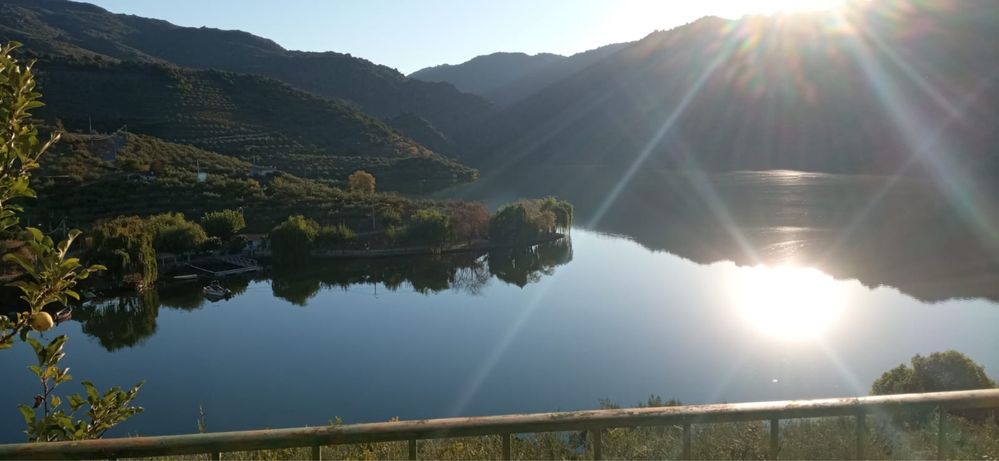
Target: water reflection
x,y
787,303
899,232
126,321
120,322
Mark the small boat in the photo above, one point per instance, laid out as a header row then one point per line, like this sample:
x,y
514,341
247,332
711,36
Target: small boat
x,y
185,277
216,290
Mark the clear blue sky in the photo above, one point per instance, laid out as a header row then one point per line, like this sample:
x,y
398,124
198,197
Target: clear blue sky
x,y
412,34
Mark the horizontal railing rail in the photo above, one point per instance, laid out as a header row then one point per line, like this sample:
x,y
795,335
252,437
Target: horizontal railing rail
x,y
506,425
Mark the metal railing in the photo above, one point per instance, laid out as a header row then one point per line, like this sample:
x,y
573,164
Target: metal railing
x,y
505,426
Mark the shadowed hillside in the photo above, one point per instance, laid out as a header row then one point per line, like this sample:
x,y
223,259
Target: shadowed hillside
x,y
866,89
62,28
225,112
506,78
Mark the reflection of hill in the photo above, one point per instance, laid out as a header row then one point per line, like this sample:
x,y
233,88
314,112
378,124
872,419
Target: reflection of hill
x,y
912,238
464,272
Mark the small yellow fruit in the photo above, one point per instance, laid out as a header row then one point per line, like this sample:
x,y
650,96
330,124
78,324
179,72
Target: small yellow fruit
x,y
41,321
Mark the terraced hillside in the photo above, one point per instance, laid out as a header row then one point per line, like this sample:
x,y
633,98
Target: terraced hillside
x,y
235,114
253,118
148,175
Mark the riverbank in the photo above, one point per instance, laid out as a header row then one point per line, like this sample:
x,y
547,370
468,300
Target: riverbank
x,y
475,246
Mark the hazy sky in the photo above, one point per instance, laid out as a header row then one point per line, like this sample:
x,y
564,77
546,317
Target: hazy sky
x,y
412,34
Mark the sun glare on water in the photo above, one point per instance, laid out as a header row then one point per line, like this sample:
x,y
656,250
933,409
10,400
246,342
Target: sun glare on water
x,y
787,303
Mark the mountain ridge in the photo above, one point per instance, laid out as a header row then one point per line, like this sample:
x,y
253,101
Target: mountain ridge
x,y
513,76
800,91
64,28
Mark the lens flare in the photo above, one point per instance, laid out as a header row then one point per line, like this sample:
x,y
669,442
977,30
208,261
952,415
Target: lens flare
x,y
787,303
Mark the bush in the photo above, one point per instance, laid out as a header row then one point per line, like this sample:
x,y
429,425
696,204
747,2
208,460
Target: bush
x,y
173,233
511,225
330,237
125,244
361,182
528,220
430,227
291,241
941,371
224,224
395,234
211,244
470,220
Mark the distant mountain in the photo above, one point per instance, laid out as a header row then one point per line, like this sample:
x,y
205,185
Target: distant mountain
x,y
64,28
505,78
867,91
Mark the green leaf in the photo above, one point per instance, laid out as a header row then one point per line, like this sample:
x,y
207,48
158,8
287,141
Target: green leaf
x,y
92,394
27,413
75,401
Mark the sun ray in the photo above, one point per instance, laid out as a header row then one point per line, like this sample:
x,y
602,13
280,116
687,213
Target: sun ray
x,y
926,145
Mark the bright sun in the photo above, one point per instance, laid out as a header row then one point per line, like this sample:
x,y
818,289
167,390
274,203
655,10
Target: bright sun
x,y
787,303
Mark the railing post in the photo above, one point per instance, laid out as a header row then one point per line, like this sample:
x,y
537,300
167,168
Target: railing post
x,y
317,453
941,433
686,441
412,449
598,449
774,438
216,456
507,449
861,429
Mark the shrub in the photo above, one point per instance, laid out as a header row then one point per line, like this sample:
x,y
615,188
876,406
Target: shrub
x,y
292,240
224,224
173,233
125,244
430,227
361,182
940,371
334,236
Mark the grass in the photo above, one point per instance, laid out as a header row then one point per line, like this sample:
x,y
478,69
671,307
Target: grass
x,y
820,438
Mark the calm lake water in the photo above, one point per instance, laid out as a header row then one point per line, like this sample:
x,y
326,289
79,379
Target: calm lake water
x,y
751,286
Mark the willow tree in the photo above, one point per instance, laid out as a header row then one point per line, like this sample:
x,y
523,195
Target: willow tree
x,y
46,275
292,240
126,244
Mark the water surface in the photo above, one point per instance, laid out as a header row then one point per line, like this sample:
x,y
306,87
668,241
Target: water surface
x,y
791,299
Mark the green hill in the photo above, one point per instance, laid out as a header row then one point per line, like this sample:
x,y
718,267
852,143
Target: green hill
x,y
260,120
234,114
82,180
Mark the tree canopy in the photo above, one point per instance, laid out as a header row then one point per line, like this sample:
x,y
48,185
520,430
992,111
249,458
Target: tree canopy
x,y
224,224
173,233
361,182
292,240
940,371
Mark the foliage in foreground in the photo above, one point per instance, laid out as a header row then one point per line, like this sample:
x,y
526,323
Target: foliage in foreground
x,y
47,276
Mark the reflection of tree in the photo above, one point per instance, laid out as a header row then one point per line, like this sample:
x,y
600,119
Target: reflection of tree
x,y
121,322
294,288
190,296
184,296
520,266
467,272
